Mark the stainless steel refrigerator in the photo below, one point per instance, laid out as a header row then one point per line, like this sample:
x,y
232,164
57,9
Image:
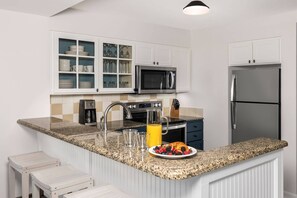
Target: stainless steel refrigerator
x,y
255,101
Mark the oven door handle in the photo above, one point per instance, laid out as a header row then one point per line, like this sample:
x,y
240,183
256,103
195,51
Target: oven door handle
x,y
180,126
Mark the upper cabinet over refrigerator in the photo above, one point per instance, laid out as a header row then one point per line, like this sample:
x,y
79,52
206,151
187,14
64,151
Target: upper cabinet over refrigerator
x,y
257,52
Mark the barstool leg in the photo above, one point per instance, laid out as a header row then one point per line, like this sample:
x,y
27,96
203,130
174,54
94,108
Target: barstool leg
x,y
35,191
11,179
25,185
54,195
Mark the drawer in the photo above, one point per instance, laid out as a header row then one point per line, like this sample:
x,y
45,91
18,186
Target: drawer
x,y
196,144
195,135
195,125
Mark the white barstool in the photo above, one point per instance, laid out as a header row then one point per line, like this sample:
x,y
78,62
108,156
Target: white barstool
x,y
59,181
25,164
108,191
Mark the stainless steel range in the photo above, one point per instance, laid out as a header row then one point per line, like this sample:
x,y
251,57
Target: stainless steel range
x,y
177,127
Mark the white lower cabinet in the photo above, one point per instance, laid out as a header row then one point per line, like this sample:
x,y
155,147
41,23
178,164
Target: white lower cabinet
x,y
181,60
259,177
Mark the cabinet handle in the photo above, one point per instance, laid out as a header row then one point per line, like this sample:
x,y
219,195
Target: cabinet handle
x,y
154,63
194,135
249,61
254,60
195,126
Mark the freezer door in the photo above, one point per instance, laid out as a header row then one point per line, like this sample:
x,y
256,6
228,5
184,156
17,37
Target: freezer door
x,y
255,120
257,85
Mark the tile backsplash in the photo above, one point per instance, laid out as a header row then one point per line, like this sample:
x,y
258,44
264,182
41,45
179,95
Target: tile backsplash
x,y
66,107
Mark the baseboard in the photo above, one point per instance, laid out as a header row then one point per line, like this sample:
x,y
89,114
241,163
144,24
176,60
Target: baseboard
x,y
289,195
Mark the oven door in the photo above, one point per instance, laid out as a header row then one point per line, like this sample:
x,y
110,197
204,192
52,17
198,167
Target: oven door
x,y
150,79
176,133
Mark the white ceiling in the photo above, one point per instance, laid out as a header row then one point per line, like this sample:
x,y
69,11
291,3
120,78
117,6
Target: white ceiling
x,y
38,7
162,12
169,12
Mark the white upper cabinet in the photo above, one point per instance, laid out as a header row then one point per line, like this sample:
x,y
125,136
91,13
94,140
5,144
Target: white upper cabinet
x,y
240,53
116,68
74,64
181,60
150,54
144,54
163,55
265,51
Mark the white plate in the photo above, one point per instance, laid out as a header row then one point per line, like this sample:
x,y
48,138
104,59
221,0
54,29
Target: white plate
x,y
194,151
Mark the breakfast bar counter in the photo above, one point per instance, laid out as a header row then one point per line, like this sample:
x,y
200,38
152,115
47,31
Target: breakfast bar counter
x,y
207,174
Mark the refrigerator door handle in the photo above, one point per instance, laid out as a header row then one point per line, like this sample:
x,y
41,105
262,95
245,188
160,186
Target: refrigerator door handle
x,y
233,103
233,88
233,115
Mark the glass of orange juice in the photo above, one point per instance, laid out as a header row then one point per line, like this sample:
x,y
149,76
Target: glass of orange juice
x,y
154,127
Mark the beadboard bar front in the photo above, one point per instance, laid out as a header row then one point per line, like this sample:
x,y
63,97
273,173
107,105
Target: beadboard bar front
x,y
259,177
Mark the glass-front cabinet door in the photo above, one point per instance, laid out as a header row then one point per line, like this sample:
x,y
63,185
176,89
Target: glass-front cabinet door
x,y
74,64
117,60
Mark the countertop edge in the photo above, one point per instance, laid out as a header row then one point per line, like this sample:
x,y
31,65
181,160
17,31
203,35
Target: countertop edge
x,y
180,175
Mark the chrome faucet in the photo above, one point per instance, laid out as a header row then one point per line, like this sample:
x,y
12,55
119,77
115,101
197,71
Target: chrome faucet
x,y
104,117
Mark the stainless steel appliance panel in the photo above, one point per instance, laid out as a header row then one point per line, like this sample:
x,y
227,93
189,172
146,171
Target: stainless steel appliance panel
x,y
255,120
152,79
256,85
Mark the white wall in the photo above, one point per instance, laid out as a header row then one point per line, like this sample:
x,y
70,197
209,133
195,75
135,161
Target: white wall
x,y
210,80
24,83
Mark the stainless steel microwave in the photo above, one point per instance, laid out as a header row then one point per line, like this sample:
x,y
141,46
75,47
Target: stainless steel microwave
x,y
154,79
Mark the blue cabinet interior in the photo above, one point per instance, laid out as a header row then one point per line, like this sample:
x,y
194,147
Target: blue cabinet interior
x,y
64,45
89,47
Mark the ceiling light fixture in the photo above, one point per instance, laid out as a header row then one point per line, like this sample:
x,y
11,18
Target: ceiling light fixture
x,y
196,8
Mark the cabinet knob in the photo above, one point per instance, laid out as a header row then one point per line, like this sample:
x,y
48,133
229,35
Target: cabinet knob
x,y
249,61
157,63
97,90
154,63
254,61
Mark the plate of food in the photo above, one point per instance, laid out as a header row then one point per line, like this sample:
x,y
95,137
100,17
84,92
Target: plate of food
x,y
174,150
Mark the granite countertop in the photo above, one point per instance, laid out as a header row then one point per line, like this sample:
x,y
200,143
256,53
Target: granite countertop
x,y
205,161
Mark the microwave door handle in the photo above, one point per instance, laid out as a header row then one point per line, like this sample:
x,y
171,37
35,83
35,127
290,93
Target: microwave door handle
x,y
172,80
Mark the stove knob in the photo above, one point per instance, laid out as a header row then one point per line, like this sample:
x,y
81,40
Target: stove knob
x,y
134,106
156,105
130,106
159,104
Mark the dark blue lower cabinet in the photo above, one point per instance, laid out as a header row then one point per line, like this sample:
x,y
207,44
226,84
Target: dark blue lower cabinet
x,y
196,144
195,134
